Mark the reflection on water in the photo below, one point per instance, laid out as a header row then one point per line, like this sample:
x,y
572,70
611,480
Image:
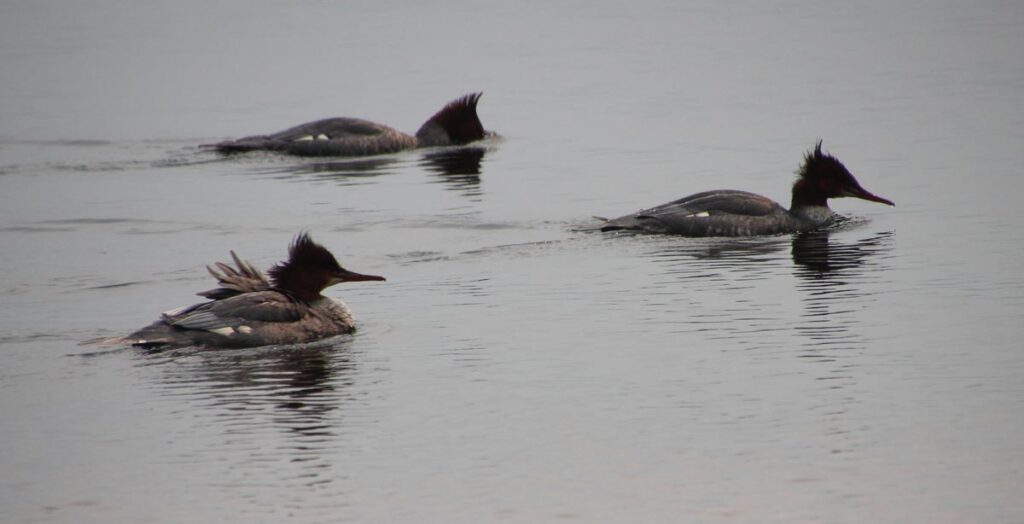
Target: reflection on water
x,y
831,274
513,371
729,288
457,168
714,258
739,251
834,284
816,257
718,288
290,391
800,309
343,172
819,257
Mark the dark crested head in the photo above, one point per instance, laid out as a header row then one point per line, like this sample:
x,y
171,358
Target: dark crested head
x,y
309,269
823,176
824,168
455,124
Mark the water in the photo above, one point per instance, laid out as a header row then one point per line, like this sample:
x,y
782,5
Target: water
x,y
512,368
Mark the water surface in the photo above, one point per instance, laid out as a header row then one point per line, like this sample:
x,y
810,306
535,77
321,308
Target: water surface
x,y
513,368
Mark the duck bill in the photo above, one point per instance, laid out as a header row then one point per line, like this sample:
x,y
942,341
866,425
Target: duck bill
x,y
351,276
863,194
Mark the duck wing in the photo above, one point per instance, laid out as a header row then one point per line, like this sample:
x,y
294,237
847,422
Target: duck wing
x,y
719,202
341,136
238,313
333,129
710,213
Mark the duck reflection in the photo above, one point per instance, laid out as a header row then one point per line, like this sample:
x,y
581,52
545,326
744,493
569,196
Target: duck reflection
x,y
343,172
818,256
821,262
246,392
298,385
711,288
715,257
457,168
736,288
831,277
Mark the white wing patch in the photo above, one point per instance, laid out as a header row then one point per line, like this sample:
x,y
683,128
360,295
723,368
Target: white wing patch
x,y
245,330
226,331
322,136
702,214
175,312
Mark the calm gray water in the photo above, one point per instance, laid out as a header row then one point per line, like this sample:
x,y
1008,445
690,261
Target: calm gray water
x,y
513,369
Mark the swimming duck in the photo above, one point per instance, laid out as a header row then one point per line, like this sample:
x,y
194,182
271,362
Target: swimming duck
x,y
727,212
455,124
247,309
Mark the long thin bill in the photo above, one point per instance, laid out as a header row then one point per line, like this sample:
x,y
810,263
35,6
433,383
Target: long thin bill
x,y
867,195
352,276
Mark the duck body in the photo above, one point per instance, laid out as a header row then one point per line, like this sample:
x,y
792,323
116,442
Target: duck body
x,y
250,310
455,124
250,319
328,137
722,212
733,213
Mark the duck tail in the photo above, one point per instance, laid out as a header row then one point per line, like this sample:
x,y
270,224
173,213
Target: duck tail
x,y
242,145
591,228
243,278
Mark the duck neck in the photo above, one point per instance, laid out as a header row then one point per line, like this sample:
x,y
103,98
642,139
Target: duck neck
x,y
305,286
805,194
813,216
432,134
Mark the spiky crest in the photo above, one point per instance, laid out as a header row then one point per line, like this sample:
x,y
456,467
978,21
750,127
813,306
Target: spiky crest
x,y
819,164
307,271
457,120
820,177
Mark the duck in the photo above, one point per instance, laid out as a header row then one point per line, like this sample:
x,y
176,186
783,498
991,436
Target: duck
x,y
456,123
734,213
248,309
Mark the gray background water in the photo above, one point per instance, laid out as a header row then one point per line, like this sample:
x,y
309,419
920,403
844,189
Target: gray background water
x,y
511,368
